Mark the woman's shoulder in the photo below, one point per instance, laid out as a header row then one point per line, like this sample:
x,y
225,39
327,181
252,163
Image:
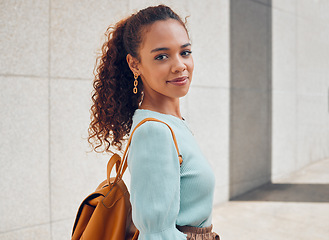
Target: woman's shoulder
x,y
141,114
152,137
149,128
154,130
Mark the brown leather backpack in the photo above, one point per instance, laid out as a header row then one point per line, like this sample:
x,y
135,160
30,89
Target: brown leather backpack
x,y
106,213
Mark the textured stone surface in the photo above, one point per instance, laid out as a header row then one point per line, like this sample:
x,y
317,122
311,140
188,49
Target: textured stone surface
x,y
267,3
24,153
29,233
284,131
300,75
312,136
75,171
311,109
312,143
316,11
238,188
24,37
283,5
312,45
284,51
77,34
250,95
315,173
209,122
209,30
296,202
62,230
249,138
312,88
254,220
284,85
250,45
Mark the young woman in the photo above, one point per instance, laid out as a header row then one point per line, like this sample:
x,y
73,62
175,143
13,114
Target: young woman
x,y
145,68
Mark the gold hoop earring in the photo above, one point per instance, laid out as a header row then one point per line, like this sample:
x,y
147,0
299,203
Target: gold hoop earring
x,y
135,83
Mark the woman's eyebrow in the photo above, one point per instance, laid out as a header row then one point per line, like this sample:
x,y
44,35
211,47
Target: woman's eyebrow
x,y
166,49
159,49
186,45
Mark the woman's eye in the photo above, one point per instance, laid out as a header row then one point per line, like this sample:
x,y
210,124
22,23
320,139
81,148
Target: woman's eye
x,y
161,57
186,53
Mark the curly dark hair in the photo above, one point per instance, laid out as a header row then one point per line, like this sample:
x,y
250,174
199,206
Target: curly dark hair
x,y
114,102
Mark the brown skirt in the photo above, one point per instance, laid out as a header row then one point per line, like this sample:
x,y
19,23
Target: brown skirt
x,y
195,233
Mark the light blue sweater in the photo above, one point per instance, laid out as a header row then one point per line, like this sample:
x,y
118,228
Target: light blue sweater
x,y
163,193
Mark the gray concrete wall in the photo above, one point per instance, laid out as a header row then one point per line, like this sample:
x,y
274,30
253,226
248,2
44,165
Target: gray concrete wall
x,y
300,84
47,56
250,96
48,50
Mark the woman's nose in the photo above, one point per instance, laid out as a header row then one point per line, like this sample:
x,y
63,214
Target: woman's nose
x,y
178,65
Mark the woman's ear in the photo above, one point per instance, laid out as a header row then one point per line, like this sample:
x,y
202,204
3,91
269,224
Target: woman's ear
x,y
133,64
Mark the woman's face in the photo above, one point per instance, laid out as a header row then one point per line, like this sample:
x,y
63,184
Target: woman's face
x,y
166,64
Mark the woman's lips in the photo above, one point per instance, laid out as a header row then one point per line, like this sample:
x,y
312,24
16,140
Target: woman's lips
x,y
180,81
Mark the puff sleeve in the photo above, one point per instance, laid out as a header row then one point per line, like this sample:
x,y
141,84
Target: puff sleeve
x,y
155,182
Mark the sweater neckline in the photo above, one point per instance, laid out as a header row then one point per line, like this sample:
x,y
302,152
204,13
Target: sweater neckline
x,y
180,122
161,114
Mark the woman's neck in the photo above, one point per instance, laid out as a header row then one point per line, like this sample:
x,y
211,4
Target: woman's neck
x,y
165,106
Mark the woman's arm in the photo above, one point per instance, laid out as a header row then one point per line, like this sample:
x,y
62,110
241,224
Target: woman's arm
x,y
155,182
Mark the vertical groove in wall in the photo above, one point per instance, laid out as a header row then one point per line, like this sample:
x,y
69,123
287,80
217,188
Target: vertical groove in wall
x,y
296,88
270,85
49,119
231,115
229,100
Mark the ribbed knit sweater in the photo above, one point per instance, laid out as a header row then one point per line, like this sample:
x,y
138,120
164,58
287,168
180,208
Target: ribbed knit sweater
x,y
163,193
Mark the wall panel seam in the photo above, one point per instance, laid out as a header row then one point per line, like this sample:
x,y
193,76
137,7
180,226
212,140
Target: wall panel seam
x,y
25,227
49,119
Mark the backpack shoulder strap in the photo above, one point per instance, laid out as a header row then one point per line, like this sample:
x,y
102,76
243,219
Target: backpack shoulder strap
x,y
123,165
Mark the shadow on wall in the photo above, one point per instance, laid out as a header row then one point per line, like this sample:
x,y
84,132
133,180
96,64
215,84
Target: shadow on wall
x,y
250,95
288,193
